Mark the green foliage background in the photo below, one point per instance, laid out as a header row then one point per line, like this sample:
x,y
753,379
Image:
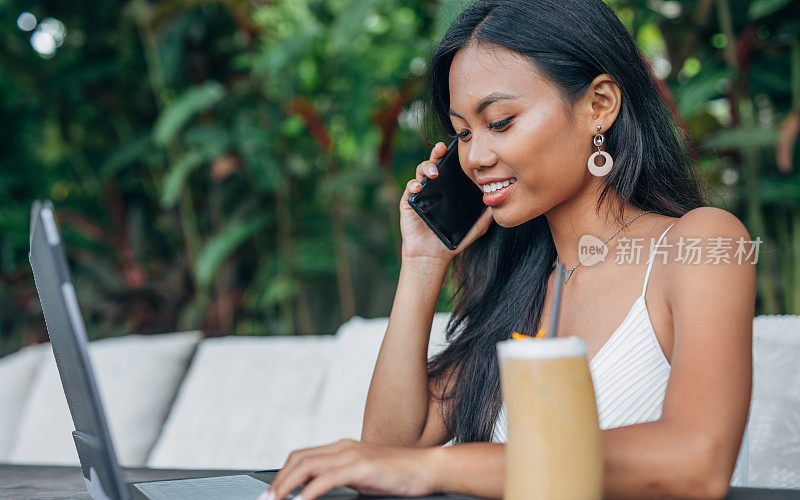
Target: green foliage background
x,y
236,166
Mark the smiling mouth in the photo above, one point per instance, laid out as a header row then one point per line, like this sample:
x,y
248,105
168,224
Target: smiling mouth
x,y
495,186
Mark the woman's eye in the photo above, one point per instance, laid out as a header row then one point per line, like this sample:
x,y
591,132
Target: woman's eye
x,y
461,135
499,125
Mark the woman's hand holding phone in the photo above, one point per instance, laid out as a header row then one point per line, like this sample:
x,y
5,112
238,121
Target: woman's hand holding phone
x,y
419,242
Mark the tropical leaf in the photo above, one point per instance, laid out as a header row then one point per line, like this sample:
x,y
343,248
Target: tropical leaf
x,y
693,95
278,289
171,46
779,190
179,112
266,173
769,78
213,137
126,154
764,8
742,138
276,59
178,173
221,245
315,257
349,24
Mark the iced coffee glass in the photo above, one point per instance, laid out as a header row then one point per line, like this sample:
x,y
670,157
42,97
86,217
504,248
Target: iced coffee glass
x,y
554,450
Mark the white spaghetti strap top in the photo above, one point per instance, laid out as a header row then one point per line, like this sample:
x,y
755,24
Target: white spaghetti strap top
x,y
630,375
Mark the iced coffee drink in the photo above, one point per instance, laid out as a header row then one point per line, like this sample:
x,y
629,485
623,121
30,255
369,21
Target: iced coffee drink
x,y
554,449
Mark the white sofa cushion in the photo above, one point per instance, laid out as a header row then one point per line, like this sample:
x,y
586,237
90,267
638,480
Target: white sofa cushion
x,y
245,403
138,376
775,407
17,371
358,341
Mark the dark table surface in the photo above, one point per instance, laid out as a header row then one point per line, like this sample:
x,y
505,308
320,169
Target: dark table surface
x,y
51,482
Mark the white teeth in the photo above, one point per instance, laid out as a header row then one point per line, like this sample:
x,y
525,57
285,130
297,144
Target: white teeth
x,y
494,186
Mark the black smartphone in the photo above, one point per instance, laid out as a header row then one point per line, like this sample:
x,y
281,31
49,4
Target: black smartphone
x,y
450,203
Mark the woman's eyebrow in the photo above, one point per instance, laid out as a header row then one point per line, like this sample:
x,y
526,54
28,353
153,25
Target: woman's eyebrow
x,y
493,97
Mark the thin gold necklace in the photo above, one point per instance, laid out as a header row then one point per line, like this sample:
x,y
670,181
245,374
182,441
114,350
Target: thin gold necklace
x,y
568,272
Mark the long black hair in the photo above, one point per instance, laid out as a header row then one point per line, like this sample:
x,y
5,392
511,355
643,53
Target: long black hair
x,y
502,277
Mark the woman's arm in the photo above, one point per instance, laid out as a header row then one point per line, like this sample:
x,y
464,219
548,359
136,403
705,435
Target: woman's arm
x,y
661,459
475,469
399,409
650,460
692,449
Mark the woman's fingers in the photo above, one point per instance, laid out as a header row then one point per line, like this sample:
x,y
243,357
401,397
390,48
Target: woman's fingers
x,y
428,168
306,469
332,478
297,456
370,469
413,186
438,150
425,169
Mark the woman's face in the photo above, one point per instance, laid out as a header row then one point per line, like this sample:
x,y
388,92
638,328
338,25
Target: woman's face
x,y
524,136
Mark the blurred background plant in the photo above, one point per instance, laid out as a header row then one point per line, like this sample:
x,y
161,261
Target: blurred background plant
x,y
236,166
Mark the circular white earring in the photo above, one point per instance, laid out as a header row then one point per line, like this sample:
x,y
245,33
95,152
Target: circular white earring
x,y
605,168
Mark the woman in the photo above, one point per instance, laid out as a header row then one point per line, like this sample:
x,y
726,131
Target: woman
x,y
532,90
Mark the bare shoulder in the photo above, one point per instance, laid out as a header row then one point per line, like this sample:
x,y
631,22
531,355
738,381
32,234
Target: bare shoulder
x,y
710,222
721,262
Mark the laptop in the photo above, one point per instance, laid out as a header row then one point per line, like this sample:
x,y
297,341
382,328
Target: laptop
x,y
67,332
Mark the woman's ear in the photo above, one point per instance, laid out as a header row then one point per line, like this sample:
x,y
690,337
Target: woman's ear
x,y
603,100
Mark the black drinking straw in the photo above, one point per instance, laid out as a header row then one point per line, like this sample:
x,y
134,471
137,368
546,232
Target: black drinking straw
x,y
557,302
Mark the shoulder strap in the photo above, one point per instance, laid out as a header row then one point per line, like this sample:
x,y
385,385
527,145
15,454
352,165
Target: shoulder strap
x,y
652,257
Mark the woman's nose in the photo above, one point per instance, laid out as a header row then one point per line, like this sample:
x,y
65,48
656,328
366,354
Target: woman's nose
x,y
480,155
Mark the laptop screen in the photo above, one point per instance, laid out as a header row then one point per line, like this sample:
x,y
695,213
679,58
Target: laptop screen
x,y
69,341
